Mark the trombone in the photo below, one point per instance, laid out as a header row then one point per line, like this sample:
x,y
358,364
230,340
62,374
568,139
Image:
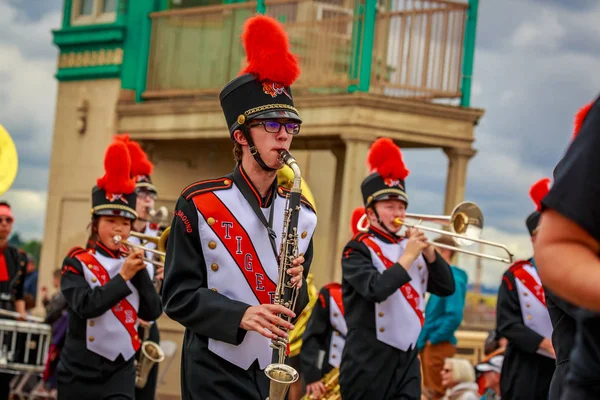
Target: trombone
x,y
465,223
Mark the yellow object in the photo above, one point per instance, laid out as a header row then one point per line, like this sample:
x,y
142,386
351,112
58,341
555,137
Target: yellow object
x,y
332,387
295,335
285,177
9,161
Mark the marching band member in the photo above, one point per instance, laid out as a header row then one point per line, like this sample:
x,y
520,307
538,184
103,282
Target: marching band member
x,y
523,319
146,193
106,292
384,280
568,245
324,338
222,255
13,263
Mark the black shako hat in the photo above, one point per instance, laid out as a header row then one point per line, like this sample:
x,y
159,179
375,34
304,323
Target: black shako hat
x,y
388,173
114,193
263,88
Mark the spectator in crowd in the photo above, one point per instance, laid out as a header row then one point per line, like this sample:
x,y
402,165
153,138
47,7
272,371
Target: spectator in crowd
x,y
458,378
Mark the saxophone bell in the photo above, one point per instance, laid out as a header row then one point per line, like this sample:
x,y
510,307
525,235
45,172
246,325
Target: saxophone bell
x,y
151,354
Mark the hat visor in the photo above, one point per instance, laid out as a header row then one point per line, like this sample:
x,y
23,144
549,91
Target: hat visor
x,y
276,114
146,185
113,212
390,196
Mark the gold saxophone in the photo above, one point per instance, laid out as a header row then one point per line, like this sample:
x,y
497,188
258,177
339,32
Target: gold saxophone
x,y
332,387
281,375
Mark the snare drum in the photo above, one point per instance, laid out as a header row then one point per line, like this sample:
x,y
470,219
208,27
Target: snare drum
x,y
24,346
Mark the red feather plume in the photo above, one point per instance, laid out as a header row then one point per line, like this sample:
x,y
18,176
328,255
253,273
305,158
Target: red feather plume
x,y
140,164
538,191
386,158
267,51
356,216
579,117
117,170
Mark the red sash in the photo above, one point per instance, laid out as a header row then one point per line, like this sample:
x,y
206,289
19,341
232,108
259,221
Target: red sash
x,y
409,292
238,244
530,283
335,291
123,310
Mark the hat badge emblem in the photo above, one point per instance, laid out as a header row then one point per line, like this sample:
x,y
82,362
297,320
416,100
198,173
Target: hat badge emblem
x,y
274,89
114,197
392,182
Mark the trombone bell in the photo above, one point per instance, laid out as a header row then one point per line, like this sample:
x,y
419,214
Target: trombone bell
x,y
281,377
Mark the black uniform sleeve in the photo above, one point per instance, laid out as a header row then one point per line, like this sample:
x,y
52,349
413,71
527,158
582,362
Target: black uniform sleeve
x,y
509,318
90,302
358,271
185,294
563,305
150,304
55,308
19,282
575,192
441,280
314,338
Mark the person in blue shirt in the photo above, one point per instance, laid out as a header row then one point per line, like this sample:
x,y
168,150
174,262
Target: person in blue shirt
x,y
31,280
443,316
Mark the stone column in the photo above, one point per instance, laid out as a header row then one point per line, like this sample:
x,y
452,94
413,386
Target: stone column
x,y
350,171
458,159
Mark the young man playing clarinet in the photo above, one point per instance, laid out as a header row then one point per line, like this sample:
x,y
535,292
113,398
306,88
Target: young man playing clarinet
x,y
223,250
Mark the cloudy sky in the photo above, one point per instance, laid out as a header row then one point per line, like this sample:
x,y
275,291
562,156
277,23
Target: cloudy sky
x,y
536,63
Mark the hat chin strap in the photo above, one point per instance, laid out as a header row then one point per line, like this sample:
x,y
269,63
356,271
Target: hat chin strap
x,y
380,222
254,150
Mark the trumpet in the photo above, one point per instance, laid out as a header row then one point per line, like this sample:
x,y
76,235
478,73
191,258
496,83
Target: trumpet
x,y
161,245
160,216
465,223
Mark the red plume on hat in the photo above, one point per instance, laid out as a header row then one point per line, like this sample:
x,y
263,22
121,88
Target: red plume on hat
x,y
267,51
140,164
356,216
117,170
579,117
386,159
538,191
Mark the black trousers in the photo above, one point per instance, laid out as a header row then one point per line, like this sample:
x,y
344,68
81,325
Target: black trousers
x,y
118,385
583,378
148,392
373,370
557,385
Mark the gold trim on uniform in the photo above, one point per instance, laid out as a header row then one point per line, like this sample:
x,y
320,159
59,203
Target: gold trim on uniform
x,y
387,191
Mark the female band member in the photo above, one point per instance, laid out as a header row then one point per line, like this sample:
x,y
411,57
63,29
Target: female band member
x,y
106,292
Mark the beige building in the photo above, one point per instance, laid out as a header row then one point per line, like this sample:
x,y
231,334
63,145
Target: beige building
x,y
153,72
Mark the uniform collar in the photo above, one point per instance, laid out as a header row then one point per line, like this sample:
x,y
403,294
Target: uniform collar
x,y
532,262
105,251
243,182
384,236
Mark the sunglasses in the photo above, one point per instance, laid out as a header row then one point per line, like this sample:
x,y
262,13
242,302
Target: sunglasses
x,y
8,220
292,128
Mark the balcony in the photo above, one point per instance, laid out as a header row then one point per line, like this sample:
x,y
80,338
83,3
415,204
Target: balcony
x,y
415,47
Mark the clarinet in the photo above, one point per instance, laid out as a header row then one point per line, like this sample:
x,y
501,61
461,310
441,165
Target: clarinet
x,y
281,376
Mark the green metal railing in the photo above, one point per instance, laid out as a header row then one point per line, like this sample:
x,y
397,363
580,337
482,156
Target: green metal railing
x,y
419,49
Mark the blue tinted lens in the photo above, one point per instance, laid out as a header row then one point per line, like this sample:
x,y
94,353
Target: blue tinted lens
x,y
292,128
272,126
